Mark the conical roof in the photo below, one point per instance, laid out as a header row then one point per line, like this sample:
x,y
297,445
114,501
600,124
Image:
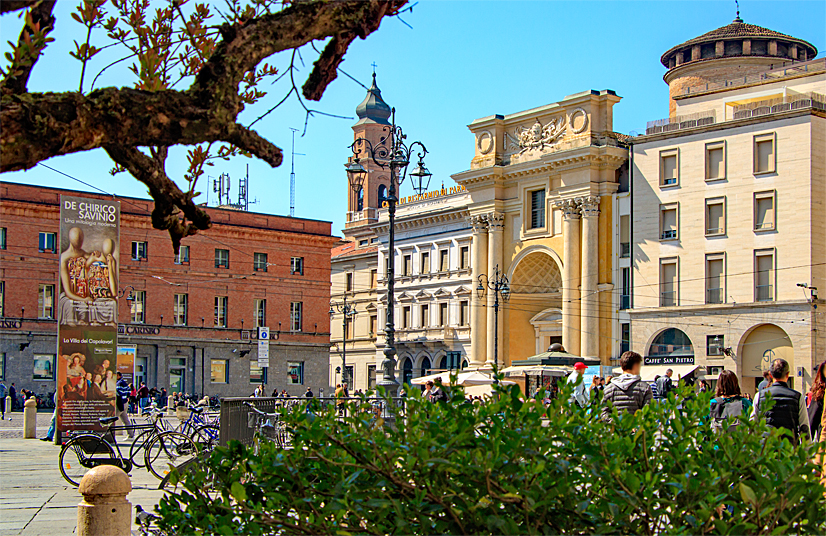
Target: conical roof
x,y
373,109
737,30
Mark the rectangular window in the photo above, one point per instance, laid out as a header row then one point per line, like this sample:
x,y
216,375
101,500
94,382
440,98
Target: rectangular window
x,y
296,315
257,374
43,368
137,307
715,161
140,251
182,256
668,221
349,322
537,209
297,265
179,309
48,242
464,313
374,321
625,280
221,311
625,337
406,317
764,211
714,345
715,278
625,237
348,282
424,262
669,168
371,376
444,258
424,317
295,372
407,265
374,278
3,368
2,238
222,258
260,313
443,320
219,371
45,301
668,283
764,275
259,262
716,216
464,257
764,154
2,299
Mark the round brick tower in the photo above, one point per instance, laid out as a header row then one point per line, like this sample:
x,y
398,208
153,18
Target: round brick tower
x,y
732,51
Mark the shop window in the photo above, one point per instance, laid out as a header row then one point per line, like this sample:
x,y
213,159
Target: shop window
x,y
219,371
295,373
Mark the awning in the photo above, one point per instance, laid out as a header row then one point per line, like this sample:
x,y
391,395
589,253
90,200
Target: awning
x,y
537,370
648,372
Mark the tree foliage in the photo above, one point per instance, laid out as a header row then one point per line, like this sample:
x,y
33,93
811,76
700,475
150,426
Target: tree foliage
x,y
221,53
506,467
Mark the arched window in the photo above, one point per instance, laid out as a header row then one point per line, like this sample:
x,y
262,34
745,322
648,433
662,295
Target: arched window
x,y
382,193
360,199
671,342
426,366
407,371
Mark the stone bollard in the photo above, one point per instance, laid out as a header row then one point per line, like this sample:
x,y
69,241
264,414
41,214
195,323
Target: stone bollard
x,y
30,419
8,406
104,510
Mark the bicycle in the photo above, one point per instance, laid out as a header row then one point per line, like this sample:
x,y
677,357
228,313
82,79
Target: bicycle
x,y
157,423
267,426
204,432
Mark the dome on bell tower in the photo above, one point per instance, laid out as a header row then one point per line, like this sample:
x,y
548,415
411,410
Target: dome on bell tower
x,y
373,109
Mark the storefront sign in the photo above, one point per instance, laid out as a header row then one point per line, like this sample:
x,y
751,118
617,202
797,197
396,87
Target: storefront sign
x,y
669,360
138,330
87,312
10,324
427,195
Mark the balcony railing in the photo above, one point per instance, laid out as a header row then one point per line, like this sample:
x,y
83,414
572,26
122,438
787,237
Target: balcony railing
x,y
669,234
714,295
764,292
785,104
767,226
678,122
668,298
625,250
714,230
625,301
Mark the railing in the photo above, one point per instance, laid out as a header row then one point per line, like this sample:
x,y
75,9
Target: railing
x,y
625,250
670,124
668,298
669,234
764,293
714,230
625,301
714,295
236,424
773,74
763,226
668,181
785,104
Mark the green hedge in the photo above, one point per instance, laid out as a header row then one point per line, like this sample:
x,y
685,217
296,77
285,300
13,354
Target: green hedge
x,y
506,467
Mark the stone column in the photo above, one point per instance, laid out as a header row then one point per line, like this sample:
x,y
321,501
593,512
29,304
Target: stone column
x,y
496,225
590,313
570,274
479,258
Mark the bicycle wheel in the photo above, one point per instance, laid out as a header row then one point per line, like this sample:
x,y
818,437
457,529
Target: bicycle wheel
x,y
136,451
75,461
168,450
206,436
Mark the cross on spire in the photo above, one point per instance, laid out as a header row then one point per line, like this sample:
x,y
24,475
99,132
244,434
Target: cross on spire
x,y
737,19
374,64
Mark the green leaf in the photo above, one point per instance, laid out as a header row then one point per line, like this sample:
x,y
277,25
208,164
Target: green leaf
x,y
747,494
238,491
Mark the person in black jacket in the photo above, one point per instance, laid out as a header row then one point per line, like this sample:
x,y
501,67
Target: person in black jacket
x,y
628,393
816,402
789,410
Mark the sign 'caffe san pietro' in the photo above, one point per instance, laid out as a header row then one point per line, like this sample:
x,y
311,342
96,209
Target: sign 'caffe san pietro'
x,y
427,195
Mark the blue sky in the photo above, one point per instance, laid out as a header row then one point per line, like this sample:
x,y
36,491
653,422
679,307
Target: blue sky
x,y
461,60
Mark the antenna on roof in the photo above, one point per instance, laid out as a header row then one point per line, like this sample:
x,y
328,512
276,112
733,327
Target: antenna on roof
x,y
292,175
737,19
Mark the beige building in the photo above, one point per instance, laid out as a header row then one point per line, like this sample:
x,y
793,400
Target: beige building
x,y
729,208
542,185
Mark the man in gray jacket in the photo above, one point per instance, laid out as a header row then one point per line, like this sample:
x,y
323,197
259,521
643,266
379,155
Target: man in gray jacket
x,y
627,392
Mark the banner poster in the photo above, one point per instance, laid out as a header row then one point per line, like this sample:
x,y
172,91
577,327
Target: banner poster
x,y
87,312
126,362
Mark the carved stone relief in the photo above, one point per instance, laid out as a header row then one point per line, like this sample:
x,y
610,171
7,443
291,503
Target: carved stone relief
x,y
538,136
485,142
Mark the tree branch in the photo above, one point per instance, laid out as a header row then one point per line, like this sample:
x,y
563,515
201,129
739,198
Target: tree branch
x,y
26,53
325,69
7,6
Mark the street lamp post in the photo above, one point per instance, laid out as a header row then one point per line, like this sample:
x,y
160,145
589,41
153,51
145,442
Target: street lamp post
x,y
393,154
498,283
347,312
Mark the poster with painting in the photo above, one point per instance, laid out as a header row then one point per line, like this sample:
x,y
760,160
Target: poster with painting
x,y
43,367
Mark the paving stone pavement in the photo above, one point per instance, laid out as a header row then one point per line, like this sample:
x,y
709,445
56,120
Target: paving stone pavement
x,y
34,497
12,424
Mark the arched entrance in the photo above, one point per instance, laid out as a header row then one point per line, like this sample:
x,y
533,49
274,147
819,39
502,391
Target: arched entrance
x,y
671,342
407,370
759,347
426,366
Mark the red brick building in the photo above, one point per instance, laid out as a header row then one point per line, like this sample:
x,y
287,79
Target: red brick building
x,y
194,317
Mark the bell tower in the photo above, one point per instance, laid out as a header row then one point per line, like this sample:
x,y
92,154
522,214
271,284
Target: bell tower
x,y
364,198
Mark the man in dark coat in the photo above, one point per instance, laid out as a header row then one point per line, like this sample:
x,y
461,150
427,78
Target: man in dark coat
x,y
627,393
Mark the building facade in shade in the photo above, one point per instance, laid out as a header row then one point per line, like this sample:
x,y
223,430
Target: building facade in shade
x,y
728,212
542,184
434,282
192,317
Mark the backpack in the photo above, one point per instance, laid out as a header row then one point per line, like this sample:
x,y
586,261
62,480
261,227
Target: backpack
x,y
726,414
